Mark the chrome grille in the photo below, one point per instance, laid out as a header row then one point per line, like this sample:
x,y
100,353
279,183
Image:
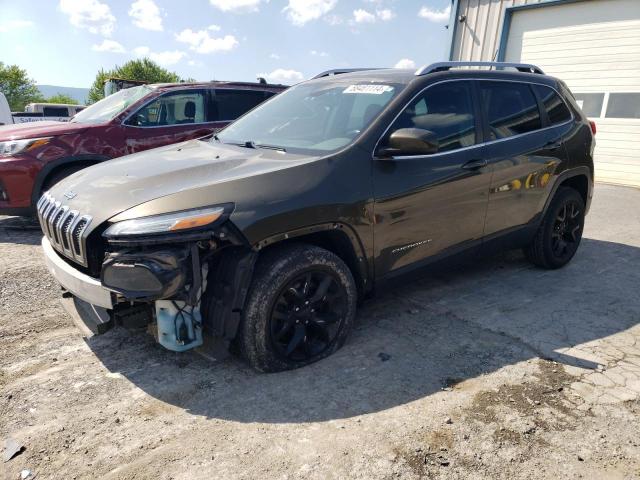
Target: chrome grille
x,y
66,229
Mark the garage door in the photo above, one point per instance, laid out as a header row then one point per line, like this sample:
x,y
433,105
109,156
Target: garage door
x,y
594,46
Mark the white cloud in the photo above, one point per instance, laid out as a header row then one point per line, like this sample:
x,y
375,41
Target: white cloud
x,y
200,41
146,15
110,46
236,6
166,58
275,56
15,25
214,28
280,75
435,15
362,16
405,63
334,20
318,54
385,14
90,14
300,12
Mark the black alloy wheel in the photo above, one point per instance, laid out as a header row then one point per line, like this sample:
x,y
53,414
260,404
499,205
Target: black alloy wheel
x,y
567,229
560,232
308,315
299,309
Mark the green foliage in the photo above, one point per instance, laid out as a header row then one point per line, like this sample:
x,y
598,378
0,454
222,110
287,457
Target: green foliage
x,y
142,69
62,98
18,87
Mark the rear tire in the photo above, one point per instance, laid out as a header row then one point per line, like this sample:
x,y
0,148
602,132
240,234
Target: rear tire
x,y
300,308
558,236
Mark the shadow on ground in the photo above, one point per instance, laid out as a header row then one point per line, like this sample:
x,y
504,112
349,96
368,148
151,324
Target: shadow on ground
x,y
454,324
21,230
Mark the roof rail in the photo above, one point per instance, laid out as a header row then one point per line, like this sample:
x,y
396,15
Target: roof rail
x,y
338,71
444,66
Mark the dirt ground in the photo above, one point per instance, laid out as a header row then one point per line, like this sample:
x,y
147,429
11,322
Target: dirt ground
x,y
489,370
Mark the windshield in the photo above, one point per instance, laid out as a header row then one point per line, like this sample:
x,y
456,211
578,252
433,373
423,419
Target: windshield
x,y
312,117
111,106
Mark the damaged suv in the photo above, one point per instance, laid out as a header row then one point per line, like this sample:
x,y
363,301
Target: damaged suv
x,y
267,235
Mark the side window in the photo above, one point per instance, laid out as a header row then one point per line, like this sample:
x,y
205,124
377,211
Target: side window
x,y
446,109
557,110
230,104
176,108
55,111
511,108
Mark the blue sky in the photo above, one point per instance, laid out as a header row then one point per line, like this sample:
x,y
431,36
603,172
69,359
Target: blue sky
x,y
65,42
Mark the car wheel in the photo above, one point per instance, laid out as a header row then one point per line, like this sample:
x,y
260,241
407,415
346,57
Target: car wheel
x,y
300,308
59,176
560,232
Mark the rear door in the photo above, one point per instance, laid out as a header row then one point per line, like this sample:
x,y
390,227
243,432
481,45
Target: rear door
x,y
524,129
426,205
172,117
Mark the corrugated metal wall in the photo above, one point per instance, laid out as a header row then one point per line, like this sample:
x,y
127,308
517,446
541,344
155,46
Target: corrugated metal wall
x,y
478,37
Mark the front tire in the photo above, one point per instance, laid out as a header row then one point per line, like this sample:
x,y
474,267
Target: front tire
x,y
300,308
558,236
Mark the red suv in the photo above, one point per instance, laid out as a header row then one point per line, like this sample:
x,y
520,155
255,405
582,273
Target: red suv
x,y
35,156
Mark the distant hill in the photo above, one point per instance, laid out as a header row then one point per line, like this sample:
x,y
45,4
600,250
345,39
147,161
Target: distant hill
x,y
80,94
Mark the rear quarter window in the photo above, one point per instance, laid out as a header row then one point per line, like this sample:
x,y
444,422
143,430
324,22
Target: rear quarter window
x,y
557,110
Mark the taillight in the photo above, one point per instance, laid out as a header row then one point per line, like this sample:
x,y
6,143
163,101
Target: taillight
x,y
593,126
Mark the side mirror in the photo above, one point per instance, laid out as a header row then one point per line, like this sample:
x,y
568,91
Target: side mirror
x,y
410,141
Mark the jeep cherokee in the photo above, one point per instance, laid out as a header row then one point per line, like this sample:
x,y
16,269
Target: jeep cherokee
x,y
267,235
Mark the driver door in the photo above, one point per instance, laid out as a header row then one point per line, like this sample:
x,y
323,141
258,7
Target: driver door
x,y
427,206
170,118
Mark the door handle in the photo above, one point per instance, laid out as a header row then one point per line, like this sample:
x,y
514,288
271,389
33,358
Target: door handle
x,y
552,145
475,164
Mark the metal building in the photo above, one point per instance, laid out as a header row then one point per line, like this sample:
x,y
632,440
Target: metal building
x,y
593,45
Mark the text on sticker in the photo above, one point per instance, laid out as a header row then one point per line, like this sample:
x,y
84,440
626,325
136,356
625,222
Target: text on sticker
x,y
371,89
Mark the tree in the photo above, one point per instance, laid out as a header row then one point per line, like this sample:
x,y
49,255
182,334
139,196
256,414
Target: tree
x,y
62,98
18,87
143,69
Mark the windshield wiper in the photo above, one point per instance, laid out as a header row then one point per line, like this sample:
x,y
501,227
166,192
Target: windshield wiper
x,y
254,145
270,147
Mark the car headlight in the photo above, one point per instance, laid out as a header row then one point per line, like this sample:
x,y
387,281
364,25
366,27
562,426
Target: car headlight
x,y
11,147
165,223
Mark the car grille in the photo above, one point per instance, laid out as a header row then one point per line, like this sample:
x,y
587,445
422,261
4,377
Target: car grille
x,y
66,229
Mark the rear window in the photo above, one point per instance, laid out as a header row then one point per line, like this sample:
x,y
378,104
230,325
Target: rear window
x,y
511,108
557,110
55,111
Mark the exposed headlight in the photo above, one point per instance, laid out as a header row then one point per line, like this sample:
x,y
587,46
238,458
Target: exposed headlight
x,y
11,147
165,223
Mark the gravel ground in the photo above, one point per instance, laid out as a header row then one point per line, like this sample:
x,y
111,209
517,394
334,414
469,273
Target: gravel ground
x,y
490,370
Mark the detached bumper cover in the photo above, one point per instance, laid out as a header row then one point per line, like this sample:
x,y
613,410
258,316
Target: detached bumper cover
x,y
82,286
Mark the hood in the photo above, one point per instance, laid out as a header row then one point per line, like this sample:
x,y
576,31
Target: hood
x,y
185,175
39,129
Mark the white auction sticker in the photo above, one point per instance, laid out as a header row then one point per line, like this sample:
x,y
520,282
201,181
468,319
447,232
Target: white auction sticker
x,y
371,89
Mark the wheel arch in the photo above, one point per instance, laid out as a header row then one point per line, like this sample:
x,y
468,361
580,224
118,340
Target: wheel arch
x,y
336,237
56,166
580,179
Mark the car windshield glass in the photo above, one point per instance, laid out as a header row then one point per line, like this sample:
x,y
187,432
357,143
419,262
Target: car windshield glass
x,y
315,117
109,107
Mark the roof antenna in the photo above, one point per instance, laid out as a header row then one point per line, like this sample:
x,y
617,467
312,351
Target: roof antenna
x,y
262,80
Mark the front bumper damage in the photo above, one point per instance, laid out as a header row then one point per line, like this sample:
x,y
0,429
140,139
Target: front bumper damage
x,y
77,283
162,288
